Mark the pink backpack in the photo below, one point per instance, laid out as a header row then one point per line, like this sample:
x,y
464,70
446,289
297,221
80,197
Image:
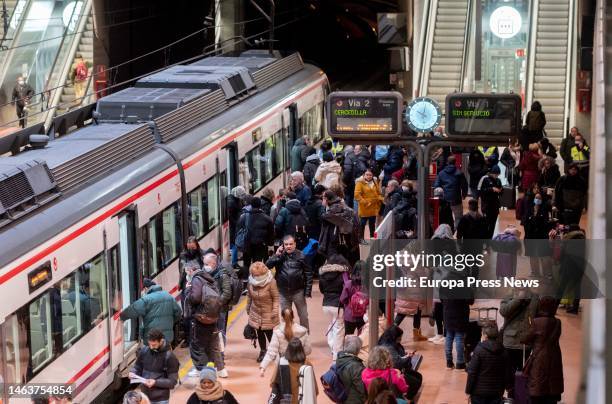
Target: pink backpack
x,y
359,303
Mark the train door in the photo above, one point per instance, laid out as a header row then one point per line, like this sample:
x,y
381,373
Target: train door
x,y
126,276
290,135
228,178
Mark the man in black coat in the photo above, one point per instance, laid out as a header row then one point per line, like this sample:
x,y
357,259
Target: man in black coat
x,y
158,366
260,234
314,210
488,374
339,229
456,313
490,193
570,196
293,277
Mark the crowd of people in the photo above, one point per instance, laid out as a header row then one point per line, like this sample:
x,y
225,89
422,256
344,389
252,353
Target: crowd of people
x,y
313,229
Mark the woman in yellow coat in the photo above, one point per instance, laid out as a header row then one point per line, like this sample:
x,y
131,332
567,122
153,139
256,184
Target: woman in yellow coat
x,y
369,199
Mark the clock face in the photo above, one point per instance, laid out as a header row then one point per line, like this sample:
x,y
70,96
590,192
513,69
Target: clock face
x,y
423,114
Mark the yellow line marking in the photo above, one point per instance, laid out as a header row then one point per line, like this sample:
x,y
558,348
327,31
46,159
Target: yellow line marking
x,y
240,307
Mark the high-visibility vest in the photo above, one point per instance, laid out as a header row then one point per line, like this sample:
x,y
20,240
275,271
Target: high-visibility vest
x,y
578,156
488,152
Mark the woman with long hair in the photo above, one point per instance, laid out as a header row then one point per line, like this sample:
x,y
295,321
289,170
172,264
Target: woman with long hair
x,y
294,375
282,334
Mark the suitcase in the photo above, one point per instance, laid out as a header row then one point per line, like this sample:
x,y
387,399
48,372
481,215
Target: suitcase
x,y
521,389
508,195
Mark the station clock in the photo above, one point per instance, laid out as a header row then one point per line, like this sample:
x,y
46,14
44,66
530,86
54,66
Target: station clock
x,y
423,114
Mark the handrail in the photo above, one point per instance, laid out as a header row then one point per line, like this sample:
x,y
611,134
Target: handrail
x,y
57,93
10,18
431,32
18,30
533,23
569,69
466,39
423,42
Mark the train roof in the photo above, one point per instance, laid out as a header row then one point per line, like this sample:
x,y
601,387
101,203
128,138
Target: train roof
x,y
139,118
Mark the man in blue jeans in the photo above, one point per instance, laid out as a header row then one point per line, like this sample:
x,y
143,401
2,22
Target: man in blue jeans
x,y
456,313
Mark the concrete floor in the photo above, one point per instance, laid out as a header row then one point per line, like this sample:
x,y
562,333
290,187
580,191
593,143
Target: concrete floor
x,y
439,385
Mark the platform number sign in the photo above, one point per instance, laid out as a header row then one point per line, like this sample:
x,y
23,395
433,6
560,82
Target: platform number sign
x,y
355,115
489,115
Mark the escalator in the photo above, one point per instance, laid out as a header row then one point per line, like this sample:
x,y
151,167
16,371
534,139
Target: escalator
x,y
43,48
550,55
444,54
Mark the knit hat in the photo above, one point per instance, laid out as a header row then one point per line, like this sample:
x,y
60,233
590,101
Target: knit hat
x,y
495,170
208,373
147,283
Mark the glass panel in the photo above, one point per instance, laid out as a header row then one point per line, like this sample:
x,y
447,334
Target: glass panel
x,y
71,313
268,153
94,290
255,169
224,194
212,190
17,355
310,123
195,213
505,28
171,235
41,342
153,250
115,281
277,156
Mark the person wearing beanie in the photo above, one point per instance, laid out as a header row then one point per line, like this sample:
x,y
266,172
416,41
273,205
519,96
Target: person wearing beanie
x,y
262,304
157,308
210,390
490,193
328,172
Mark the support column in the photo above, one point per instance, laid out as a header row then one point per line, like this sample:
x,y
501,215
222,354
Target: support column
x,y
406,6
227,14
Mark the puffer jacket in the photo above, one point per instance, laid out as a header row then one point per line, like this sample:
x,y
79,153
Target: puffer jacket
x,y
160,365
368,196
292,272
488,374
390,374
223,281
261,229
395,160
331,283
452,180
278,343
350,369
310,168
517,314
262,306
158,309
328,174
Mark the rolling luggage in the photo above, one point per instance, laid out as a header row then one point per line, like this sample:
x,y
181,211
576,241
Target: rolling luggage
x,y
521,390
508,195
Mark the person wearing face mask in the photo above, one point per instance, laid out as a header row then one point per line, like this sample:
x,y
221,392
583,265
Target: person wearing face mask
x,y
490,192
537,227
369,198
157,308
22,93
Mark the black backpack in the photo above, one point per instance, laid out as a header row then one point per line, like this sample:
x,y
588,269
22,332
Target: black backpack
x,y
298,226
236,287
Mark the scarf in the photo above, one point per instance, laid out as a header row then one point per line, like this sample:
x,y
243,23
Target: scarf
x,y
209,394
261,280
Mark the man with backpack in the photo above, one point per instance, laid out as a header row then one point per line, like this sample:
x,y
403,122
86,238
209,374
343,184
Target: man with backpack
x,y
293,277
258,231
159,367
206,304
348,368
339,229
292,221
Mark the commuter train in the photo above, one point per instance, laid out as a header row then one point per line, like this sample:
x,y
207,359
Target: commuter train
x,y
111,203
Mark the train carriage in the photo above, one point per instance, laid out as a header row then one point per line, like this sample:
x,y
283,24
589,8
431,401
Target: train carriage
x,y
125,193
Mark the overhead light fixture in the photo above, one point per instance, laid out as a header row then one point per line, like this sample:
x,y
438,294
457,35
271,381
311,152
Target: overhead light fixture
x,y
505,22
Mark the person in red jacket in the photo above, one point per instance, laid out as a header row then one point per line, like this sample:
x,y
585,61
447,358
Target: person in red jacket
x,y
529,166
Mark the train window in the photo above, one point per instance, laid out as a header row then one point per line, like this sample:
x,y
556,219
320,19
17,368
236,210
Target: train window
x,y
94,285
224,194
70,301
278,154
171,234
311,123
196,220
154,264
268,158
115,280
41,332
254,164
212,193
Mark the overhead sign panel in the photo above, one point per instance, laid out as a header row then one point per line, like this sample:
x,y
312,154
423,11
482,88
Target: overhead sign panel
x,y
367,114
470,114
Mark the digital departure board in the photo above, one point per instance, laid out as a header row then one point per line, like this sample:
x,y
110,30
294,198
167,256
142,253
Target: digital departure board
x,y
483,114
367,114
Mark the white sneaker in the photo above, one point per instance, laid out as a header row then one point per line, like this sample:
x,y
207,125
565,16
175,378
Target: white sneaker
x,y
435,338
193,373
222,373
441,340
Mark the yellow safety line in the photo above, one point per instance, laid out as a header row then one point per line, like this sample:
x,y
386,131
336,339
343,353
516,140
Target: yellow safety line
x,y
230,319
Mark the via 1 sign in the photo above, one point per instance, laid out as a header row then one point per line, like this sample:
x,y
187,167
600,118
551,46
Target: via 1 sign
x,y
361,115
470,114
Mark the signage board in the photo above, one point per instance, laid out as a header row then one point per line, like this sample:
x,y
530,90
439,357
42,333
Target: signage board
x,y
364,114
471,114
